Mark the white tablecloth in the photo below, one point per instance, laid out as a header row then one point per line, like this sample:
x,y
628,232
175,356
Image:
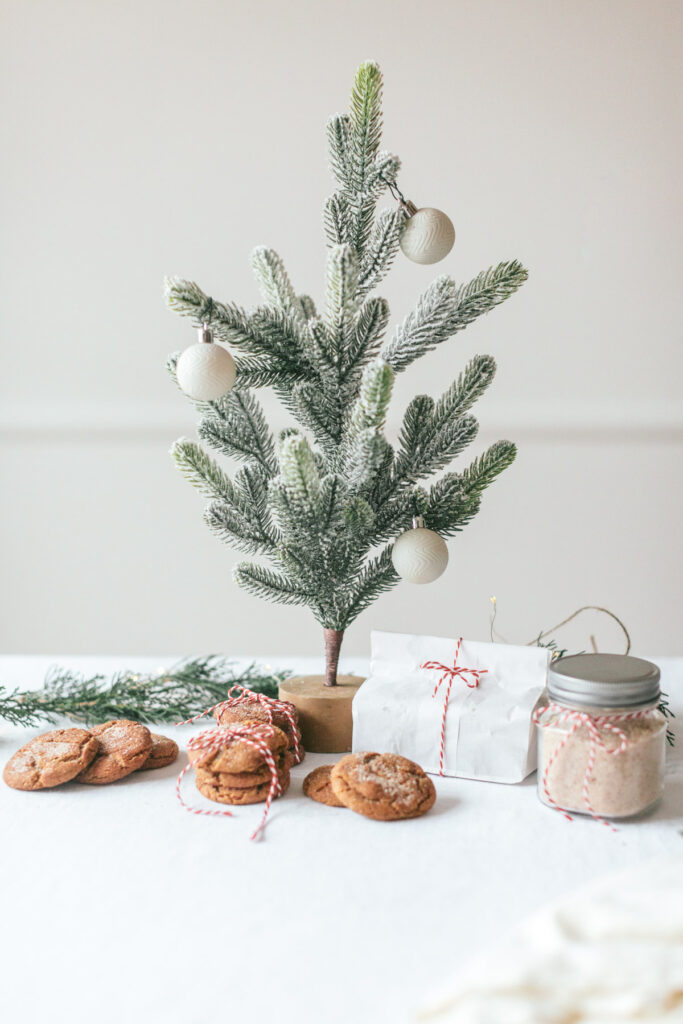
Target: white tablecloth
x,y
117,905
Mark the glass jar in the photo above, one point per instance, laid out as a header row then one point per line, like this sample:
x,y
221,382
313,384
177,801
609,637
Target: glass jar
x,y
601,736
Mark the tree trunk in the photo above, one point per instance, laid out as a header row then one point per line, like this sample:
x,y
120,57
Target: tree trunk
x,y
333,639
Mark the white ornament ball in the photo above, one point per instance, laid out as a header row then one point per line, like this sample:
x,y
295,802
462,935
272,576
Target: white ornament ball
x,y
205,371
428,236
419,555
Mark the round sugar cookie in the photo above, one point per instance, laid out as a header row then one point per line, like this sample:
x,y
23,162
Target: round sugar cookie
x,y
386,787
51,759
124,747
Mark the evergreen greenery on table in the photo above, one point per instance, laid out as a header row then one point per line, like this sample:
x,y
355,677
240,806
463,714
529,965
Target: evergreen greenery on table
x,y
170,695
324,501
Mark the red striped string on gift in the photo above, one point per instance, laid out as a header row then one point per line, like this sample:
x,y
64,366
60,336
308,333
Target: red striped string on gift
x,y
214,740
448,675
593,723
269,704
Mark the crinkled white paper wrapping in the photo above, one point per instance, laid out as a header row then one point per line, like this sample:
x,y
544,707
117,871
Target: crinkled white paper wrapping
x,y
489,733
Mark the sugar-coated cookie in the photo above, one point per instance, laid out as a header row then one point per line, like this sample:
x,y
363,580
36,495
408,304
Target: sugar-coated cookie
x,y
240,755
386,787
51,759
251,711
245,780
164,752
209,785
124,747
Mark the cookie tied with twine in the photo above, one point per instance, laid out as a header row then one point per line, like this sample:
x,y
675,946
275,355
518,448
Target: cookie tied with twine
x,y
241,747
245,705
250,706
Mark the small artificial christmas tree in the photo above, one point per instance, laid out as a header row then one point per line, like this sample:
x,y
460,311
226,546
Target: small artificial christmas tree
x,y
326,500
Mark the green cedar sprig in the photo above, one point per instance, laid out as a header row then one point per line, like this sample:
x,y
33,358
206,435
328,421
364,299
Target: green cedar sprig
x,y
170,695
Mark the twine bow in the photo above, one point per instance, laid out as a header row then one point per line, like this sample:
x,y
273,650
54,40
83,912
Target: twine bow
x,y
269,704
213,740
594,724
448,675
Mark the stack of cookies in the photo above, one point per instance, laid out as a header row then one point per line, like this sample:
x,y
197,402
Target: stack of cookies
x,y
385,787
281,714
104,754
237,772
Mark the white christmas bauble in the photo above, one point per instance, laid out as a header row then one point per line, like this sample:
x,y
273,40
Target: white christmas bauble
x,y
419,555
205,371
428,236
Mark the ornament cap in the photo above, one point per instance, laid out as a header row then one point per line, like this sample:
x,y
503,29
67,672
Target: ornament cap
x,y
418,523
410,208
205,334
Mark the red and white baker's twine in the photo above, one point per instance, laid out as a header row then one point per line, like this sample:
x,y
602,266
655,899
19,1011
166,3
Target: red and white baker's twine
x,y
593,723
213,740
269,704
448,674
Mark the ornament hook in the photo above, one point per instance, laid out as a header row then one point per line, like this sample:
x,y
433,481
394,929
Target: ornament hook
x,y
404,203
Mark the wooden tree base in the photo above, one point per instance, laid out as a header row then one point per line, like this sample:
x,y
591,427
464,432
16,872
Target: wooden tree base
x,y
324,711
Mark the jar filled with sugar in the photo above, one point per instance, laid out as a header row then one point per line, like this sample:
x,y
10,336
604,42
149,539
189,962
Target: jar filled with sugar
x,y
601,736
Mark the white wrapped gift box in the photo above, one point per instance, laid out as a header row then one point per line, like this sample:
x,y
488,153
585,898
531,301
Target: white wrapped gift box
x,y
488,732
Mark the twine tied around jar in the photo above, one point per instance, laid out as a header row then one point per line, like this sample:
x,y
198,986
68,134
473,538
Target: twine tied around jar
x,y
269,704
448,675
213,740
594,724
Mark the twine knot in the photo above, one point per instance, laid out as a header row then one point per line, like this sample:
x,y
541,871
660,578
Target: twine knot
x,y
448,674
269,704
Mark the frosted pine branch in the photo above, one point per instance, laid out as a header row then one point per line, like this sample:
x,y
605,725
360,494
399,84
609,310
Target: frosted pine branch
x,y
365,124
376,577
426,327
201,470
342,284
299,474
337,219
229,323
269,585
432,434
455,499
274,282
466,390
338,139
484,470
237,428
369,326
372,404
237,529
307,306
445,309
381,249
320,412
487,290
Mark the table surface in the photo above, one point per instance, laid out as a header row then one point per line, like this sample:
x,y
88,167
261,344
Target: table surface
x,y
118,904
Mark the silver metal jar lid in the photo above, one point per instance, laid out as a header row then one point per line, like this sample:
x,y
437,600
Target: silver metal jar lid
x,y
603,681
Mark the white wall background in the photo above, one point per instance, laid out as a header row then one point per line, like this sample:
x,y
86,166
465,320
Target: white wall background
x,y
144,137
